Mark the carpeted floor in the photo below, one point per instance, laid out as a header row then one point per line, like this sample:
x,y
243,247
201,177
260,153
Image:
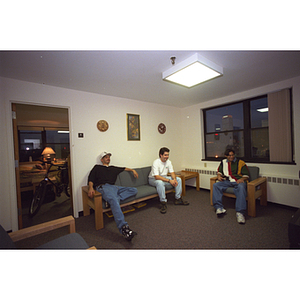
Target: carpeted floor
x,y
186,227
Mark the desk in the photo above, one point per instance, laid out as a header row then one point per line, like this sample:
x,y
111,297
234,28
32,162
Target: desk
x,y
185,175
28,177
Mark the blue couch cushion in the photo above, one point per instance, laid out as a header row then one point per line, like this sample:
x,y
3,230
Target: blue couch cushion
x,y
69,241
143,191
127,178
254,173
146,171
5,240
118,181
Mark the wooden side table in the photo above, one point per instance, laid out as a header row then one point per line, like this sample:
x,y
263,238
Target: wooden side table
x,y
185,175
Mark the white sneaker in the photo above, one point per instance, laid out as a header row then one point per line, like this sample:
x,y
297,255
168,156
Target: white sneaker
x,y
240,218
220,211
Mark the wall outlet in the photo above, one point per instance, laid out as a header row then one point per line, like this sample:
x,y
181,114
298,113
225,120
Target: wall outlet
x,y
80,135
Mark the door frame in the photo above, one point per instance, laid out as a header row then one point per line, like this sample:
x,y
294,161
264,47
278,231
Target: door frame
x,y
16,156
17,162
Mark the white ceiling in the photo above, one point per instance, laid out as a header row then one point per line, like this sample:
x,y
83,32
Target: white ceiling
x,y
138,74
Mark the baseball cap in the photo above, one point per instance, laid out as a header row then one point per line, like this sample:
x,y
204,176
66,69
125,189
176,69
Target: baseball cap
x,y
103,154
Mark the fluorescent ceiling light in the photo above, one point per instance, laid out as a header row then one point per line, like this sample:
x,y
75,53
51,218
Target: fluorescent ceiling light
x,y
192,71
265,109
63,131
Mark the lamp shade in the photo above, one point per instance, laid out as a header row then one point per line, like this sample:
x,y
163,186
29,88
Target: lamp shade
x,y
48,151
192,71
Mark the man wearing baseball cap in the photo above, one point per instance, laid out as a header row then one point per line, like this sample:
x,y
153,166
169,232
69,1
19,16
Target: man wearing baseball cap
x,y
102,178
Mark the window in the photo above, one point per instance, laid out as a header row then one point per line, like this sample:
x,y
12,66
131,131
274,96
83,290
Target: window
x,y
32,142
58,140
224,126
244,126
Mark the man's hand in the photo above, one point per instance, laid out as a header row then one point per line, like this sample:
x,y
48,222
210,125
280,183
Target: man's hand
x,y
241,180
174,182
220,177
135,174
91,192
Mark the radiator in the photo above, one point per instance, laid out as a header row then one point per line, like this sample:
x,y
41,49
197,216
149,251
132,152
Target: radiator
x,y
283,190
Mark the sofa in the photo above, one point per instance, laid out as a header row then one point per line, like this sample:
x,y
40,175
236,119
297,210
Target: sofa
x,y
144,192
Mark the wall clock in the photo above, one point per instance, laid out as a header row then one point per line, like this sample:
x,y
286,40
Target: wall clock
x,y
162,128
102,125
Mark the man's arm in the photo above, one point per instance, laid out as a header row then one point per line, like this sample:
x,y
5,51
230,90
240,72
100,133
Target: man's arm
x,y
135,174
245,174
220,173
172,181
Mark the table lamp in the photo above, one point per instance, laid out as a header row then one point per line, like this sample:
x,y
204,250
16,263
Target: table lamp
x,y
47,152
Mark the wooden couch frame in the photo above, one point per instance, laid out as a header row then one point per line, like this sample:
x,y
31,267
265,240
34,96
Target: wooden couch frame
x,y
34,230
256,188
42,228
96,205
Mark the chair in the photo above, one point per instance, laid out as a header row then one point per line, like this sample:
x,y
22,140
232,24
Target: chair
x,y
256,188
70,241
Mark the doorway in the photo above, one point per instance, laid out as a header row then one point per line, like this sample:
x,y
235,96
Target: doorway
x,y
35,128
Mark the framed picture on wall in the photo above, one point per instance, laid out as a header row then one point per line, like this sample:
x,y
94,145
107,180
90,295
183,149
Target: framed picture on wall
x,y
133,127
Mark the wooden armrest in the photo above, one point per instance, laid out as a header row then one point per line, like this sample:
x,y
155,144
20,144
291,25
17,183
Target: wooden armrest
x,y
92,248
44,227
258,181
215,178
86,190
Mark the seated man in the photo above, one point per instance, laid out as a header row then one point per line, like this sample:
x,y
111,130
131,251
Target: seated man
x,y
232,172
102,178
158,178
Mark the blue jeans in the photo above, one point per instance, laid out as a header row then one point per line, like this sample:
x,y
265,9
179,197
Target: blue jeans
x,y
239,189
161,190
114,194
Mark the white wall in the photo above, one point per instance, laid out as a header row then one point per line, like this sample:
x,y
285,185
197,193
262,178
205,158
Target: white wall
x,y
183,137
85,110
192,122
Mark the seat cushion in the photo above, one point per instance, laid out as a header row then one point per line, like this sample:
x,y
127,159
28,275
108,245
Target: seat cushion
x,y
69,241
5,240
144,191
141,183
229,190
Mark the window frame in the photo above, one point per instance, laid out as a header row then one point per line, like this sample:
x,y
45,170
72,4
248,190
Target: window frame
x,y
247,131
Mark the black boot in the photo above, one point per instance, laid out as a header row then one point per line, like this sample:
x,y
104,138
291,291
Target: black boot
x,y
127,233
163,207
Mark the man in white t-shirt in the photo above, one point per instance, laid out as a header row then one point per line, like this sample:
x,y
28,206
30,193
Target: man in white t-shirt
x,y
159,178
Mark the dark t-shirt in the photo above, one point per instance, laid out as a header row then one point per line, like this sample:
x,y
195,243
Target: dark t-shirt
x,y
102,174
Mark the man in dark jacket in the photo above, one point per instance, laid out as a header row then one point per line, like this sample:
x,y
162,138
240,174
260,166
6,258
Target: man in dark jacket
x,y
102,178
232,172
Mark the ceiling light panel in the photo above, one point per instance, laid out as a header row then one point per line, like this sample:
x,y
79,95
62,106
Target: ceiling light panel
x,y
192,71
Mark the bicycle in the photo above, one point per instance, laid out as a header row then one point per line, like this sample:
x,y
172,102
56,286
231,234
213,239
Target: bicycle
x,y
61,184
